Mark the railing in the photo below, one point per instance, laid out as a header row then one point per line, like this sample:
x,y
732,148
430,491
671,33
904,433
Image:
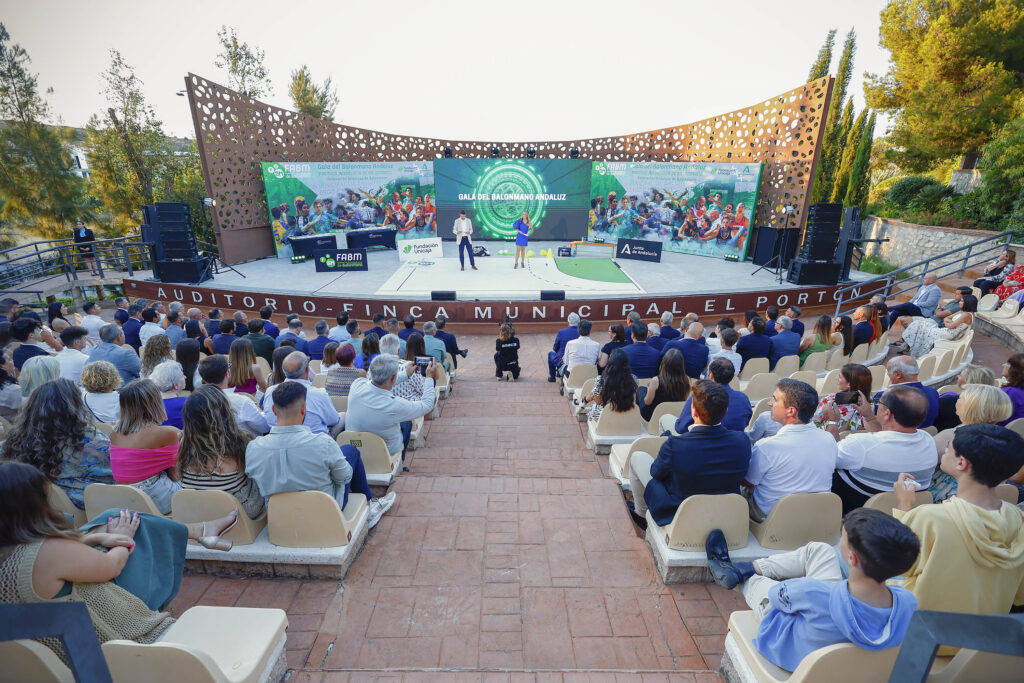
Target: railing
x,y
38,262
954,261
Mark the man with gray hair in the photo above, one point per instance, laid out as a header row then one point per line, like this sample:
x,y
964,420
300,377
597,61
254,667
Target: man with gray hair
x,y
372,407
435,347
564,336
321,416
315,346
654,337
391,327
668,333
194,327
391,345
112,349
241,323
903,370
923,304
786,342
632,319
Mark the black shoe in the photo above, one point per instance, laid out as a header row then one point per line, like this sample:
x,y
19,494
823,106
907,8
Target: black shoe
x,y
716,546
724,573
551,379
464,352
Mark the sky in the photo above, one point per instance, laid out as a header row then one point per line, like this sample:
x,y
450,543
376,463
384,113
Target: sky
x,y
520,71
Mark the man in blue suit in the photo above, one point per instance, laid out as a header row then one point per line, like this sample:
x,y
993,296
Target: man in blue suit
x,y
644,359
863,331
132,326
294,328
737,415
904,370
708,459
755,344
563,337
668,333
785,342
924,302
450,343
693,348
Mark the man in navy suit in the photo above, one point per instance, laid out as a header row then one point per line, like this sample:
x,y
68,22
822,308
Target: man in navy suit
x,y
708,459
563,337
784,343
644,359
693,348
451,345
654,337
378,325
904,370
794,313
668,333
737,416
755,344
863,331
769,324
132,326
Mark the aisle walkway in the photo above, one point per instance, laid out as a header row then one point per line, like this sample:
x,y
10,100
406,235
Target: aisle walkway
x,y
508,556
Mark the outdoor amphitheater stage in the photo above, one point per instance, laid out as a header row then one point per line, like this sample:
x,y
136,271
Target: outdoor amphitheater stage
x,y
602,289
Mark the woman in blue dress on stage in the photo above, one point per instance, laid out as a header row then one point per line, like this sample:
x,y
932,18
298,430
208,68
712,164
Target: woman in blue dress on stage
x,y
523,228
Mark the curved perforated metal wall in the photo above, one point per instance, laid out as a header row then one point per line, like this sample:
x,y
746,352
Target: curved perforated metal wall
x,y
236,133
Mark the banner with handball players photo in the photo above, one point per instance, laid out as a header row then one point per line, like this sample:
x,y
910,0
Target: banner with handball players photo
x,y
693,208
495,193
336,197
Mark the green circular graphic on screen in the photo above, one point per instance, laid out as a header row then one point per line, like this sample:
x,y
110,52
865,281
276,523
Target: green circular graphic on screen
x,y
499,211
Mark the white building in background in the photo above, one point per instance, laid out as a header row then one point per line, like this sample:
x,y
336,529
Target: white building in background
x,y
79,161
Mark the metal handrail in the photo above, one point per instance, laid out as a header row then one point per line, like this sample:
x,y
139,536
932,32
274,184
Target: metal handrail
x,y
960,259
62,259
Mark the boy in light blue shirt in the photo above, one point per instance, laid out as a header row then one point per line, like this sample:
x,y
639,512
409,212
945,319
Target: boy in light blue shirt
x,y
802,600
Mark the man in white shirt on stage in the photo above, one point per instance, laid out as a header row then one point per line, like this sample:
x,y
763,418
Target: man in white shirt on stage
x,y
463,230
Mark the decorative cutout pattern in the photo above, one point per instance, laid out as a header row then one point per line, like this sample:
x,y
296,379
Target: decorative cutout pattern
x,y
236,133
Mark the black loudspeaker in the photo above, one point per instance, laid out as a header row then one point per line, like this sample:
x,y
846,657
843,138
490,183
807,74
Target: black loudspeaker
x,y
442,296
772,242
802,272
187,272
552,295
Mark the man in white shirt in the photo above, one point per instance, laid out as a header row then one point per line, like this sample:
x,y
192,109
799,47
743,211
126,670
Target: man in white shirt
x,y
463,230
92,322
583,350
339,333
214,370
871,462
372,407
71,358
800,458
321,415
150,327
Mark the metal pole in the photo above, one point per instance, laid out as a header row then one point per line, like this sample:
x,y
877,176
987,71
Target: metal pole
x,y
127,259
967,257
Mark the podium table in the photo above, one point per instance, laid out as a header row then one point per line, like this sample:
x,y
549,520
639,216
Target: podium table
x,y
305,246
372,237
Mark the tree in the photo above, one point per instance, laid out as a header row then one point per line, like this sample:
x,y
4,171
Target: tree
x,y
857,188
244,64
824,59
311,99
127,147
955,69
39,190
845,168
832,139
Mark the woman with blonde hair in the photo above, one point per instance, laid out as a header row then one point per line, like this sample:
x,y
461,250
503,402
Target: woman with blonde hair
x,y
523,228
977,404
212,450
37,371
971,374
156,351
244,374
100,382
144,452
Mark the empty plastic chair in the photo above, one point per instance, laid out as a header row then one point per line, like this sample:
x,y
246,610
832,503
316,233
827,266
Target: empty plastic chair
x,y
100,497
752,367
698,515
312,519
800,518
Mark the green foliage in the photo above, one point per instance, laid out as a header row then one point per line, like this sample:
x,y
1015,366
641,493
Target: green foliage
x,y
875,266
311,99
130,158
905,189
39,191
929,199
244,64
823,61
849,152
1002,169
956,69
880,189
857,185
834,134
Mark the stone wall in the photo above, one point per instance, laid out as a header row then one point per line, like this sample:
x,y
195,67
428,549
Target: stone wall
x,y
909,243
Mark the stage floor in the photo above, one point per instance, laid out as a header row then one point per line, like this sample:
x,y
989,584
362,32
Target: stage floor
x,y
581,278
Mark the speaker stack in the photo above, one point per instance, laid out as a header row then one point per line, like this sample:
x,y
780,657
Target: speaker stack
x,y
175,251
814,263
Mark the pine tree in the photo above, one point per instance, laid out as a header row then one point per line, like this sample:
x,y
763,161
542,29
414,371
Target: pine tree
x,y
857,189
40,192
850,147
824,59
244,64
832,138
311,99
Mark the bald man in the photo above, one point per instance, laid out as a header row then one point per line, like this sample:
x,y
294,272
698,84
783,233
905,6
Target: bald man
x,y
924,302
321,416
694,349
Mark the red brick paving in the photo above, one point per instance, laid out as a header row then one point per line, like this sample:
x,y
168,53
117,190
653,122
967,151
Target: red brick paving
x,y
508,556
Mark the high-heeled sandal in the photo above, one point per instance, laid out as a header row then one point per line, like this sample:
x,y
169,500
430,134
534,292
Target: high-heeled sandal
x,y
217,542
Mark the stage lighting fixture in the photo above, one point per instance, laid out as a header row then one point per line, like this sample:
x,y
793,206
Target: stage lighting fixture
x,y
531,153
447,152
574,153
495,152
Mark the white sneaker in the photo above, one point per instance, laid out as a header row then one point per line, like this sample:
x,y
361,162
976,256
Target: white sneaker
x,y
378,506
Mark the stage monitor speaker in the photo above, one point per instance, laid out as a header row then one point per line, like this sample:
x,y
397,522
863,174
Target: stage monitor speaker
x,y
552,295
186,272
803,272
772,242
442,296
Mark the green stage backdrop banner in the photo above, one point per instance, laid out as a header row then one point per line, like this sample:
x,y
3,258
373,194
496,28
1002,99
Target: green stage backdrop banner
x,y
395,194
495,192
693,208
